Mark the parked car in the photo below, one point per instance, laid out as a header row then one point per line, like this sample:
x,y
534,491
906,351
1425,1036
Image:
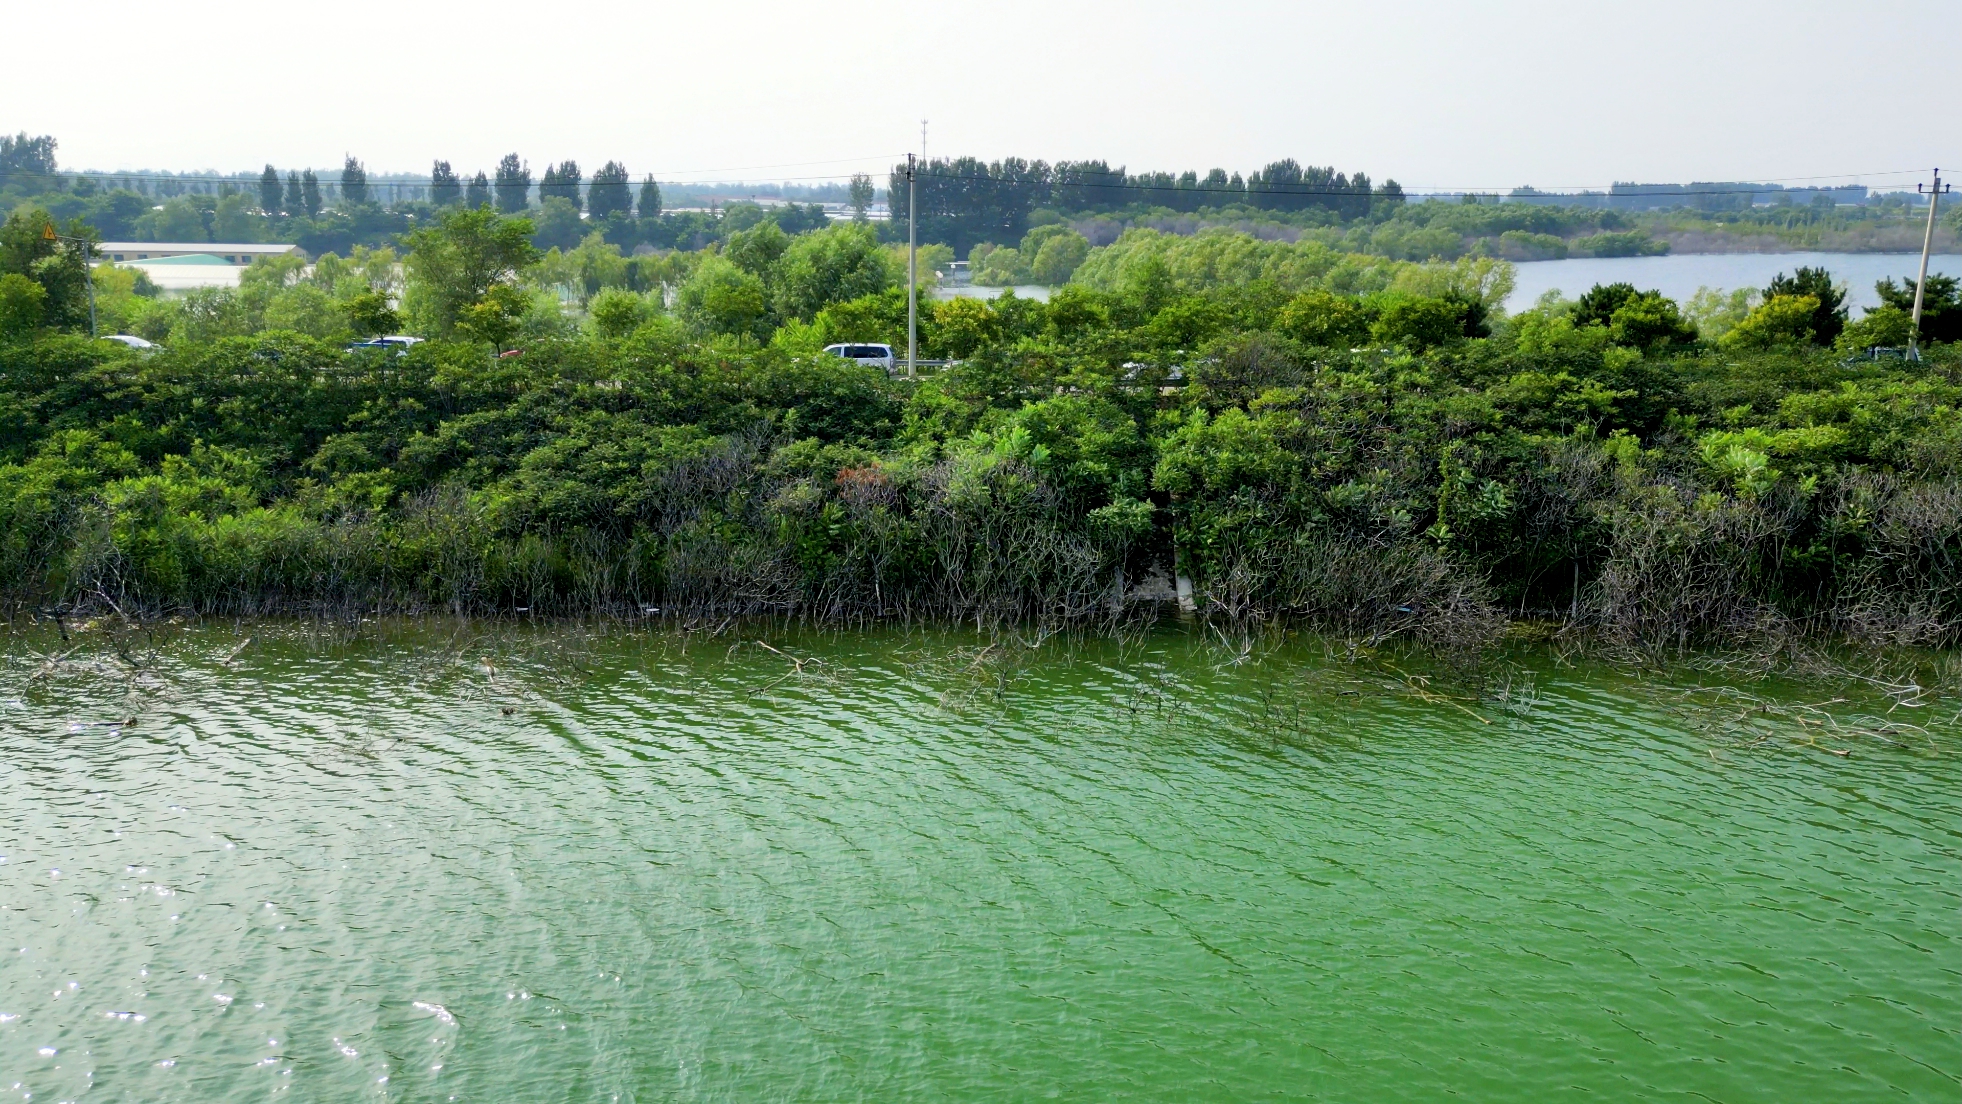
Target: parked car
x,y
398,342
133,342
879,356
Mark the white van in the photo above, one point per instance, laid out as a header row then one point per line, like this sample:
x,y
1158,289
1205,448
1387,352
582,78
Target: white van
x,y
398,342
878,356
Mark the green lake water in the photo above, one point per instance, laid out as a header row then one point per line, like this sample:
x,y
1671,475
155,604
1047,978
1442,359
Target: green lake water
x,y
427,864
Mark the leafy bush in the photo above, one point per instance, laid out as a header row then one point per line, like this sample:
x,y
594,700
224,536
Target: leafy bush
x,y
1780,320
1366,445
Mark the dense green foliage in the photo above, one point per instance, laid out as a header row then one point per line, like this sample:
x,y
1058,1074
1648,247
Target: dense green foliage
x,y
1362,443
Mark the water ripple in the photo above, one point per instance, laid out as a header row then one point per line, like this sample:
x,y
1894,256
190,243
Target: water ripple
x,y
915,869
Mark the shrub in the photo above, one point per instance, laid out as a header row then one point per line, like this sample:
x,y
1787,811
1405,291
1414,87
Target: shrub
x,y
1780,320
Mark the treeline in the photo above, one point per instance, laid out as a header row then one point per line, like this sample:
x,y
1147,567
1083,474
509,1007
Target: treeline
x,y
967,202
997,207
340,211
964,201
1360,444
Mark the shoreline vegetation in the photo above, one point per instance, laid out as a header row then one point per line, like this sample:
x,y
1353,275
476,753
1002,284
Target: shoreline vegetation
x,y
1279,432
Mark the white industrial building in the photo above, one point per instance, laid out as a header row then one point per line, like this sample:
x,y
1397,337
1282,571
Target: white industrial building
x,y
182,266
226,252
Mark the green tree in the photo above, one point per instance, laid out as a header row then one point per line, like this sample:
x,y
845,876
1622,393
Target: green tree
x,y
26,238
559,226
1148,284
1830,315
32,247
479,192
269,191
354,182
178,219
209,314
306,309
294,201
757,249
583,270
1885,326
958,328
720,297
650,199
370,315
861,196
1650,321
1058,258
1091,449
496,317
444,188
1597,307
1418,322
833,265
609,193
617,312
23,304
454,266
992,266
1321,318
1780,321
1941,307
513,184
21,156
561,182
233,220
1714,312
310,193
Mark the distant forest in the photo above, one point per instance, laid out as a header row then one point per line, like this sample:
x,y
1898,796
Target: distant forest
x,y
965,201
1001,211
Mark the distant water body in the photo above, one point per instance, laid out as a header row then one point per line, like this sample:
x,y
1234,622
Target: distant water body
x,y
1679,276
1676,276
976,291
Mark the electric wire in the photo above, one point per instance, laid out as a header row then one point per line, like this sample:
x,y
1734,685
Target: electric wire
x,y
932,171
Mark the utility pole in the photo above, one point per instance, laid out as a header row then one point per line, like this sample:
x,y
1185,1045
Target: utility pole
x,y
1921,284
88,275
88,270
913,272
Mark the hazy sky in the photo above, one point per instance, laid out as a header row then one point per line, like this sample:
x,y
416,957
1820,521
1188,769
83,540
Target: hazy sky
x,y
1439,95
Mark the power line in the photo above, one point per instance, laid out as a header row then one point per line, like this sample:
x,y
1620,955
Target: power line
x,y
1119,178
1266,189
254,176
1131,179
1759,180
247,183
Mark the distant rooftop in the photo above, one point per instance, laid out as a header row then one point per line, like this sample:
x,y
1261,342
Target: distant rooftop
x,y
169,249
231,253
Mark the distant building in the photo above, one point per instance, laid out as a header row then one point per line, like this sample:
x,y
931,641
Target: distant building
x,y
228,252
1699,195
